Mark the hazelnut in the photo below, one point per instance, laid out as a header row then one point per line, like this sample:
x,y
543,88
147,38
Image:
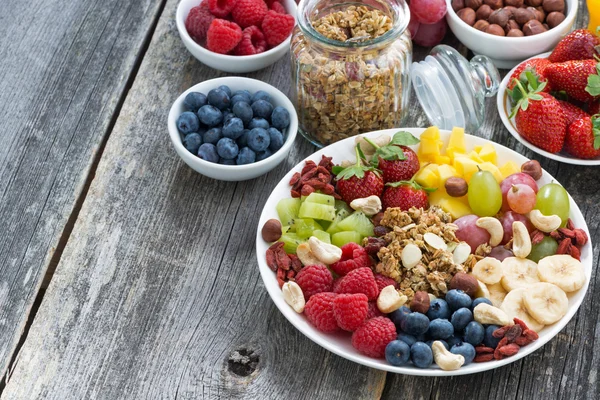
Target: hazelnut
x,y
465,282
554,5
515,33
494,29
554,18
510,25
456,187
271,230
420,303
532,168
376,219
533,27
499,17
540,15
483,12
474,4
495,4
458,5
481,25
524,15
467,15
510,10
514,3
534,3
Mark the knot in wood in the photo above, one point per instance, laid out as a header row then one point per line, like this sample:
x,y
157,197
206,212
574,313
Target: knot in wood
x,y
243,362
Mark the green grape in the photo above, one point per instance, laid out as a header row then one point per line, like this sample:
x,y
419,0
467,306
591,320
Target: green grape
x,y
485,196
547,247
552,199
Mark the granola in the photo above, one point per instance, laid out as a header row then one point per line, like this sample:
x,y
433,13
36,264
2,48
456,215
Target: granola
x,y
354,23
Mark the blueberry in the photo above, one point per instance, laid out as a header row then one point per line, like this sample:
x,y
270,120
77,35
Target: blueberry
x,y
452,340
438,308
280,118
227,148
210,115
227,116
456,299
242,141
261,95
243,111
474,333
193,101
258,123
466,350
188,123
234,128
241,95
219,98
208,152
397,352
192,142
398,315
246,156
430,343
226,89
488,339
212,135
262,109
415,323
480,300
421,355
461,318
440,329
276,139
258,139
406,338
263,154
225,161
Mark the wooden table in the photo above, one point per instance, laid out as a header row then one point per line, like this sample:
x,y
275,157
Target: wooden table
x,y
125,274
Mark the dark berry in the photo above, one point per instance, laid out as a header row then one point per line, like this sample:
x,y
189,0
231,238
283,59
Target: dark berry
x,y
242,141
415,324
208,152
241,95
263,154
474,333
438,308
397,352
188,123
212,135
234,128
280,118
452,340
210,115
421,355
440,329
243,111
430,343
227,148
456,299
219,99
461,318
262,109
246,156
261,95
258,123
192,142
276,138
227,115
466,350
398,316
226,89
406,338
258,139
489,340
193,101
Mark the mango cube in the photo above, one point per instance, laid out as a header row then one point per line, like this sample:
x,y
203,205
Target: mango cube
x,y
456,143
446,171
475,157
428,177
440,160
477,148
431,133
455,207
465,167
430,147
488,166
509,168
488,153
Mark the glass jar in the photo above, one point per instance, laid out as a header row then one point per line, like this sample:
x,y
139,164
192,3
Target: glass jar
x,y
343,88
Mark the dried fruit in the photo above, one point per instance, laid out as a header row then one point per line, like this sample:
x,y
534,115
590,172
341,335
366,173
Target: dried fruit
x,y
509,350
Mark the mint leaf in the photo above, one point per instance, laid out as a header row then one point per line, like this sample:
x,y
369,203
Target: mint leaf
x,y
403,138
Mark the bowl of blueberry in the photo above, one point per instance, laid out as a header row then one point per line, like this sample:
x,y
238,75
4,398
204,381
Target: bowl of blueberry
x,y
232,128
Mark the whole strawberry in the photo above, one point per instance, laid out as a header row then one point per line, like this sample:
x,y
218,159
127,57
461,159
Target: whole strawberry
x,y
579,78
580,44
358,181
396,161
594,107
404,194
583,138
536,65
572,112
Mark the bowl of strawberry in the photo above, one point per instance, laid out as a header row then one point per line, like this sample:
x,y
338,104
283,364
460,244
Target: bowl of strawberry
x,y
236,36
551,102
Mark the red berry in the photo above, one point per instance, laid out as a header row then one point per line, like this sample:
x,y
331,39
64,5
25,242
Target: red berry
x,y
359,280
249,12
253,42
277,27
373,336
221,8
314,279
384,281
572,77
373,310
336,283
543,123
319,311
580,44
353,256
278,8
535,65
350,310
594,107
223,36
404,196
198,21
358,188
581,137
400,170
572,112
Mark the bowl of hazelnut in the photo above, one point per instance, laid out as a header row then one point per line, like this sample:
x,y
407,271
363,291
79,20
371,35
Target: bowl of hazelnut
x,y
510,31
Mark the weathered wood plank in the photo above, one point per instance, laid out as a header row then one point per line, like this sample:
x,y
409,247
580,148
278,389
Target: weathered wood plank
x,y
63,68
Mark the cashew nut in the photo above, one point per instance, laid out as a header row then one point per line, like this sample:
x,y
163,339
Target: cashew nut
x,y
544,223
486,314
494,228
444,359
389,300
325,252
368,205
306,256
521,240
292,294
366,147
411,255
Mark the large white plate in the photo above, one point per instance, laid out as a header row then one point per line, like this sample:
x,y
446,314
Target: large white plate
x,y
340,343
504,107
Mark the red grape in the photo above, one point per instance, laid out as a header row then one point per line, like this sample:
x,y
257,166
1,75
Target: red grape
x,y
507,220
428,11
471,233
430,35
518,178
413,26
500,253
521,198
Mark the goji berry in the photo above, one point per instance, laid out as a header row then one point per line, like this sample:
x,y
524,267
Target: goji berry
x,y
306,190
522,341
500,332
570,224
531,334
513,333
568,233
509,350
483,350
522,324
295,178
483,357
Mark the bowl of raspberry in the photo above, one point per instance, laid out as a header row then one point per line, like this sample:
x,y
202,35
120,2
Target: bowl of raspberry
x,y
236,36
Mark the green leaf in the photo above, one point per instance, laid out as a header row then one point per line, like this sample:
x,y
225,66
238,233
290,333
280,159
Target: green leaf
x,y
403,138
593,86
360,153
429,190
337,169
399,183
349,172
596,130
536,97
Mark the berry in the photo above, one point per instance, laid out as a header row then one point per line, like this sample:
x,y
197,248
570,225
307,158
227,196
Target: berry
x,y
353,256
208,152
350,310
242,141
258,123
280,118
474,333
577,45
583,137
243,111
536,66
210,115
198,21
382,281
245,156
430,343
192,142
249,12
421,355
400,170
212,136
319,311
227,116
219,98
373,336
253,42
480,300
277,27
594,107
415,324
456,299
466,350
406,338
225,161
579,78
260,95
314,279
278,7
193,101
360,280
438,308
440,329
226,89
276,138
234,128
262,109
221,8
227,148
358,181
188,123
399,315
258,139
489,340
453,340
373,310
404,194
263,154
572,112
397,352
461,318
223,36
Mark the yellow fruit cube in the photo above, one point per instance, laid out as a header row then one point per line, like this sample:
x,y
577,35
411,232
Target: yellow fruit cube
x,y
465,167
441,160
456,143
431,133
428,177
509,168
455,207
446,171
488,153
488,166
477,148
430,147
475,157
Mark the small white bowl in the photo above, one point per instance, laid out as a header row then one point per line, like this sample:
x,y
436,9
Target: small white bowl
x,y
223,62
233,172
506,52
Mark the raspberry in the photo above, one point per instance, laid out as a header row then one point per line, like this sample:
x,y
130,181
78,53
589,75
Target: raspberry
x,y
350,310
353,256
319,311
373,336
336,283
373,310
278,8
277,27
360,280
223,36
198,21
383,281
221,8
253,42
249,12
314,279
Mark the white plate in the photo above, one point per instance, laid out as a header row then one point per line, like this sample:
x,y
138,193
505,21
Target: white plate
x,y
340,343
504,108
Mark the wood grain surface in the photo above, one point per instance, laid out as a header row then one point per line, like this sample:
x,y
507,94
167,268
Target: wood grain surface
x,y
158,295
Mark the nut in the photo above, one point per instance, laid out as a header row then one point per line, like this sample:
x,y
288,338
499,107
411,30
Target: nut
x,y
271,230
554,5
554,18
510,10
521,245
544,223
510,25
306,256
389,300
467,15
534,3
444,359
420,303
515,33
456,187
523,15
514,3
483,12
494,228
474,4
540,15
435,241
411,256
533,27
486,314
292,294
458,5
367,148
495,30
495,4
325,252
368,205
499,17
465,282
532,168
481,25
461,253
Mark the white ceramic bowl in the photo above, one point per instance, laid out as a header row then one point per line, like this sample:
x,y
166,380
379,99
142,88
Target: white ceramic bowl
x,y
506,52
340,343
233,172
223,62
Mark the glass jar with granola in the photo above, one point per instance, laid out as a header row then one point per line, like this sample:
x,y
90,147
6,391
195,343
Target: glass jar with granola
x,y
350,64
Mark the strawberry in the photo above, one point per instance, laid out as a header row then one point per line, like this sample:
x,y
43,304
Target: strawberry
x,y
405,194
572,112
583,137
358,181
579,78
537,65
594,107
396,161
580,44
